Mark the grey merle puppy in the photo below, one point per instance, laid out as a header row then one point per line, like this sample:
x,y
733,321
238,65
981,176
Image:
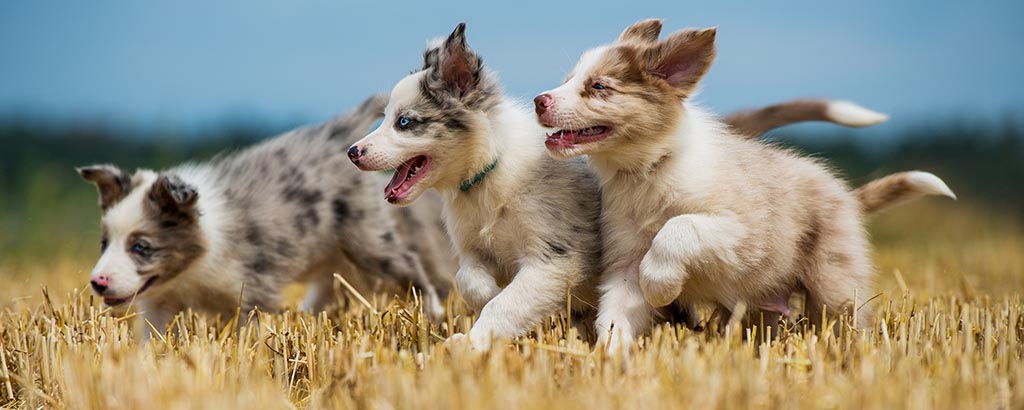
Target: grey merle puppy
x,y
241,227
524,225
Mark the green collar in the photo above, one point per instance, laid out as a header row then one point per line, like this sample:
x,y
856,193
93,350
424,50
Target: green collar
x,y
468,184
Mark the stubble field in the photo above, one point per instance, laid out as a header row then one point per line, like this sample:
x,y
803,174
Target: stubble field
x,y
949,333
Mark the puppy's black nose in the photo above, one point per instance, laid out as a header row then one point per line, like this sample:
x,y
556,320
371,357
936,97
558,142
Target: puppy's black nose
x,y
354,153
97,286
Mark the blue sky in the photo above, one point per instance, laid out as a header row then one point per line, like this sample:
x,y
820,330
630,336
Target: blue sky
x,y
192,63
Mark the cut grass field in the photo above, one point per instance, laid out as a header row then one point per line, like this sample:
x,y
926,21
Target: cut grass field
x,y
949,333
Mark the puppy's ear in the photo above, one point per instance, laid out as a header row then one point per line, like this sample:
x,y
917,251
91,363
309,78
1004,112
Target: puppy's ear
x,y
643,32
431,56
683,58
173,198
111,182
458,65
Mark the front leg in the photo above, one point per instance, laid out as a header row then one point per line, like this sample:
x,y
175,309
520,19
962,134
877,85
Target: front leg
x,y
475,283
622,312
683,242
156,316
537,291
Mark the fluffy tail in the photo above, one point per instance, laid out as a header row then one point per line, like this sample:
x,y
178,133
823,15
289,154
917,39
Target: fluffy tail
x,y
754,123
355,124
898,188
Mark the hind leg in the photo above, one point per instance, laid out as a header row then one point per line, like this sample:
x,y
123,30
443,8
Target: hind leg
x,y
412,271
822,306
389,255
838,274
320,294
836,290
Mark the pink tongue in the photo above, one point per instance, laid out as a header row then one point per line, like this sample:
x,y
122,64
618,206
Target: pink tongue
x,y
397,179
568,136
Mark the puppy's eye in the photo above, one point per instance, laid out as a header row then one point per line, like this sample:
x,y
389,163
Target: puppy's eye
x,y
103,244
141,248
599,86
404,122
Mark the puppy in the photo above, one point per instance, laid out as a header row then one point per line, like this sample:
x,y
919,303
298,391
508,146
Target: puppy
x,y
692,212
240,228
525,227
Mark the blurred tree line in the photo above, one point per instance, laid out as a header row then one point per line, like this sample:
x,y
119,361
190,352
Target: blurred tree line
x,y
46,208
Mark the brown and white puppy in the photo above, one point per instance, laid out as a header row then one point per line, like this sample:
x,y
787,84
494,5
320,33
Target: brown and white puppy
x,y
240,228
524,226
692,212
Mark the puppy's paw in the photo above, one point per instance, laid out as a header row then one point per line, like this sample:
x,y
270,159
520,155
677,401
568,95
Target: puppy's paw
x,y
475,340
433,307
480,340
660,280
457,341
612,344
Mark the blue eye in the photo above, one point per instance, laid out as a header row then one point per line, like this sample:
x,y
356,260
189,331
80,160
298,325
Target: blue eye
x,y
404,121
140,248
599,86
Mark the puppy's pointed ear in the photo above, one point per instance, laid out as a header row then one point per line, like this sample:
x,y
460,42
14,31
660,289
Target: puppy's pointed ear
x,y
643,32
431,56
111,182
432,53
683,58
458,65
172,197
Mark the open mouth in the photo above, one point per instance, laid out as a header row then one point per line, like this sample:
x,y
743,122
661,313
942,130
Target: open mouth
x,y
406,177
120,301
570,138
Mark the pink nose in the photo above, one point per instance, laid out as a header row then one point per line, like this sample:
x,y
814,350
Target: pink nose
x,y
542,103
100,283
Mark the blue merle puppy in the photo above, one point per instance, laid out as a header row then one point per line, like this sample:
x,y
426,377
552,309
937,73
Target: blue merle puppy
x,y
248,223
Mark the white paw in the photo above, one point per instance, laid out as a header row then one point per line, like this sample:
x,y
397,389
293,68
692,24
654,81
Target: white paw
x,y
481,340
433,308
474,340
614,343
457,340
660,280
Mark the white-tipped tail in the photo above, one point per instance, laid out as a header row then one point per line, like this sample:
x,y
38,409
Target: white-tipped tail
x,y
853,115
929,184
753,123
898,188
